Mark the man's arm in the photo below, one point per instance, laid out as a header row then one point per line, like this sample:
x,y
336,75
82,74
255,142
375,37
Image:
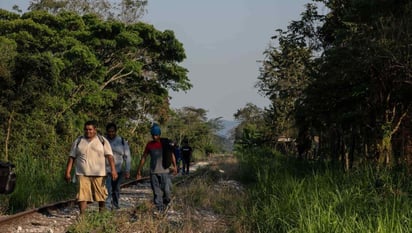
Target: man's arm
x,y
69,169
112,166
174,164
142,161
108,154
128,161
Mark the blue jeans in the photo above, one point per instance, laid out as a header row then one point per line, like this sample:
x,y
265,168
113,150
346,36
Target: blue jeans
x,y
161,186
178,160
113,189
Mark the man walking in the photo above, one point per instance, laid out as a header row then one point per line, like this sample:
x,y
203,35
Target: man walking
x,y
122,160
187,156
89,153
159,175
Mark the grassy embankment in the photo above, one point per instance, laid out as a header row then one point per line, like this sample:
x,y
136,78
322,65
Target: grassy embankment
x,y
280,194
288,195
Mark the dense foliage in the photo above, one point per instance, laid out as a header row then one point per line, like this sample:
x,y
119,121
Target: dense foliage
x,y
192,124
339,82
126,11
59,70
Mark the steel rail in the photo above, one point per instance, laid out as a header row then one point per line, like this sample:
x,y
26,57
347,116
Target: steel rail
x,y
43,209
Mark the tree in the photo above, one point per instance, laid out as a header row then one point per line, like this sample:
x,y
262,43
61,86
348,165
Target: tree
x,y
192,124
57,71
69,68
126,11
285,73
8,48
367,56
344,76
252,129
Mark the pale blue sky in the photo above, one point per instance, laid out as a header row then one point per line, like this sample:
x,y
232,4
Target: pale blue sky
x,y
223,39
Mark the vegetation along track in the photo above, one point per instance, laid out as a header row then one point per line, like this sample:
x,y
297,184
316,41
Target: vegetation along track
x,y
57,217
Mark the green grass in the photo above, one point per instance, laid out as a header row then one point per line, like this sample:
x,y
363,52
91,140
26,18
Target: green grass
x,y
288,195
40,180
281,194
94,222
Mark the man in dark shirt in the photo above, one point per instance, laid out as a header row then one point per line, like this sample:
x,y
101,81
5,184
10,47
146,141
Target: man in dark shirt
x,y
159,175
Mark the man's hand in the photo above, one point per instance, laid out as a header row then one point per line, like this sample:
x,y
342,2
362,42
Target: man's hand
x,y
114,175
68,177
174,171
127,175
138,176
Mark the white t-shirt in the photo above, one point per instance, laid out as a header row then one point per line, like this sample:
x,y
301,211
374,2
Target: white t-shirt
x,y
90,157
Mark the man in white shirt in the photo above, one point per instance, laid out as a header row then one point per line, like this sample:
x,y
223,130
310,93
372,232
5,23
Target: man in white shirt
x,y
89,154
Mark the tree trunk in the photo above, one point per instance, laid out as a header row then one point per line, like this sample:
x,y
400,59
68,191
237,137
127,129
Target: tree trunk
x,y
352,150
6,143
385,151
345,157
388,130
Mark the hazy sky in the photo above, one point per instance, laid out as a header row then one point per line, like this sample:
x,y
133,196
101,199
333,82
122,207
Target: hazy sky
x,y
223,40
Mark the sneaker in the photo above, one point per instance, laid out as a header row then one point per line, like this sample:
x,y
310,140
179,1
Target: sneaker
x,y
157,213
167,208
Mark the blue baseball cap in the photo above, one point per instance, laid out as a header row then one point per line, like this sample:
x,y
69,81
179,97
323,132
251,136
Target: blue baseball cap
x,y
155,130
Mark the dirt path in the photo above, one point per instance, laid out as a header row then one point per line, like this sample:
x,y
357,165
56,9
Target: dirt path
x,y
201,201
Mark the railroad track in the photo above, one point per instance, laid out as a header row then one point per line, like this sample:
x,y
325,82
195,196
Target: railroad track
x,y
57,217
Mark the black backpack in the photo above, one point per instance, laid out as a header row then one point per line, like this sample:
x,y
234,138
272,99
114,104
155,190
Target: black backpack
x,y
167,152
7,178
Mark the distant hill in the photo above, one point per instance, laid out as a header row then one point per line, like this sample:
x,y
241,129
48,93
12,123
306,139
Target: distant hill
x,y
227,127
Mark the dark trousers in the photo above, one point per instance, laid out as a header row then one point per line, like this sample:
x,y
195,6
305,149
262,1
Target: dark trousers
x,y
161,186
113,189
186,164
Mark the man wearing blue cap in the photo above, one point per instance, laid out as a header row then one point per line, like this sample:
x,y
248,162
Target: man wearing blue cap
x,y
160,150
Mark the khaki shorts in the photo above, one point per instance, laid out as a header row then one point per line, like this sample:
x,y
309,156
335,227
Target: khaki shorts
x,y
91,188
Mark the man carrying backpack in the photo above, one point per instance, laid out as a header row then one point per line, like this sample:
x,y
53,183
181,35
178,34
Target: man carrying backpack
x,y
122,158
89,154
161,152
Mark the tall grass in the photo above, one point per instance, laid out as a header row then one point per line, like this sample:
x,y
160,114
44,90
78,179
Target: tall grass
x,y
40,180
288,195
